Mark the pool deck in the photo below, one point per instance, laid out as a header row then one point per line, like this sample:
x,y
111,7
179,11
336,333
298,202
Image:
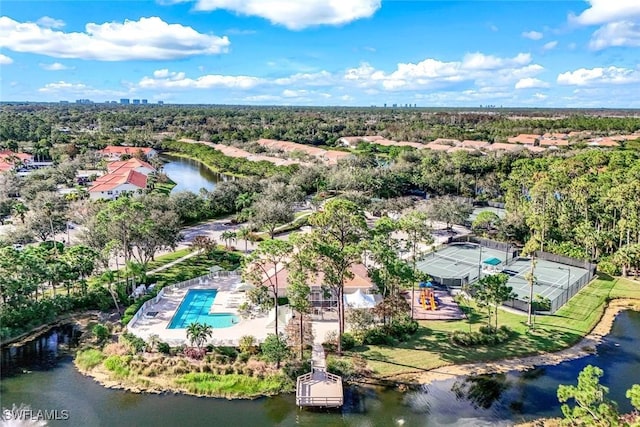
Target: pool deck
x,y
227,301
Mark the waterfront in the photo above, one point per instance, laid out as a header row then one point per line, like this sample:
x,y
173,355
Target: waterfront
x,y
51,382
190,175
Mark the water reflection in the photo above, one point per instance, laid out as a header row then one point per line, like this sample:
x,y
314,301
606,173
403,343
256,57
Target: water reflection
x,y
191,175
481,391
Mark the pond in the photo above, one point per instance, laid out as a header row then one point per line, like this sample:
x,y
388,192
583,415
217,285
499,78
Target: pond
x,y
42,375
191,175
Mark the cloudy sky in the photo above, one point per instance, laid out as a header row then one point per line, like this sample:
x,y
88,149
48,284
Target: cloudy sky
x,y
324,52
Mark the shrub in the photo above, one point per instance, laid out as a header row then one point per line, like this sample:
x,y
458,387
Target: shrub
x,y
348,341
378,336
247,344
88,359
607,267
164,348
101,332
117,365
194,352
485,336
342,367
136,344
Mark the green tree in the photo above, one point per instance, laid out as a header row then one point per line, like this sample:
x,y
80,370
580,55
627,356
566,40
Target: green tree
x,y
274,349
300,268
491,292
261,268
198,333
485,222
336,245
417,232
592,408
244,233
269,214
228,236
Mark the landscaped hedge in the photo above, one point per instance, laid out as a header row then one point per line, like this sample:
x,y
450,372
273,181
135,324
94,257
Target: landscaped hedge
x,y
485,336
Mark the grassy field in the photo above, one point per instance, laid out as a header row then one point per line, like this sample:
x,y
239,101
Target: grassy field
x,y
430,347
167,258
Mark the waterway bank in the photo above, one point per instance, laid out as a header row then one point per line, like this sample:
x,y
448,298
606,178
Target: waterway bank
x,y
584,347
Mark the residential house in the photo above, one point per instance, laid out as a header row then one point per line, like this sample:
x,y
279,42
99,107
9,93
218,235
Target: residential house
x,y
124,176
113,185
10,160
319,300
501,146
478,145
525,139
112,153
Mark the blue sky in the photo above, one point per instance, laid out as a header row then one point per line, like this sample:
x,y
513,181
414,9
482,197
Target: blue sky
x,y
324,52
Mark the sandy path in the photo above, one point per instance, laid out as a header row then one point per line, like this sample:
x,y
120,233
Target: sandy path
x,y
583,348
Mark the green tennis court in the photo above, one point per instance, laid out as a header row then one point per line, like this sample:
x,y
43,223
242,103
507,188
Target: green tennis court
x,y
460,263
552,280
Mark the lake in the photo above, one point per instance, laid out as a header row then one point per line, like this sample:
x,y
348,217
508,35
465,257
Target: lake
x,y
51,382
191,175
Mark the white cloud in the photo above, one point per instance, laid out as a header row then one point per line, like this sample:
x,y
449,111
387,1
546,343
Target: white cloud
x,y
623,33
540,96
146,39
56,66
48,22
164,79
484,70
5,60
550,45
321,78
603,11
599,76
532,35
529,82
66,89
296,15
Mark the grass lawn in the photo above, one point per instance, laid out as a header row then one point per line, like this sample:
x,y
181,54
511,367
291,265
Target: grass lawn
x,y
167,258
196,266
430,347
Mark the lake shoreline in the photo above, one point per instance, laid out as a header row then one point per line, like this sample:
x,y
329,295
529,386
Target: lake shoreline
x,y
586,346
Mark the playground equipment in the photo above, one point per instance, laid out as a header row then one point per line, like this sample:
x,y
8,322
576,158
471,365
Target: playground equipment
x,y
427,299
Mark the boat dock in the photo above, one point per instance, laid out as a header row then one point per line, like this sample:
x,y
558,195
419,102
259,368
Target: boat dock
x,y
319,388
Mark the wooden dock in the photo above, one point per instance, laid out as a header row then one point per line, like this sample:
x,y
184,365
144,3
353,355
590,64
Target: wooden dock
x,y
319,388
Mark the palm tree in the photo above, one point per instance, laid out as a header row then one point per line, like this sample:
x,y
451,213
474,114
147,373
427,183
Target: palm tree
x,y
19,209
244,233
108,278
243,201
228,236
136,271
198,333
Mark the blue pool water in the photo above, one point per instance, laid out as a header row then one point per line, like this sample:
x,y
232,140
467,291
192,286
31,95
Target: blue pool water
x,y
195,308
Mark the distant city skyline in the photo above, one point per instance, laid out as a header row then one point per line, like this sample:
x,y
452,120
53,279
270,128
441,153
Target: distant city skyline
x,y
577,54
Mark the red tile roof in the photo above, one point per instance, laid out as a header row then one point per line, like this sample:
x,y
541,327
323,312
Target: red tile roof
x,y
120,150
132,163
360,280
113,180
524,138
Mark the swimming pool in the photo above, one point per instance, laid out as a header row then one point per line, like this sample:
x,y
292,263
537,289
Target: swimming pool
x,y
195,308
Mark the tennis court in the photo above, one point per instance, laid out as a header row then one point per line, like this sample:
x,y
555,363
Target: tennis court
x,y
458,263
555,281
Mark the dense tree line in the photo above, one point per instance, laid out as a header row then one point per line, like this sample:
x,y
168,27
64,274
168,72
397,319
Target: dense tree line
x,y
93,126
